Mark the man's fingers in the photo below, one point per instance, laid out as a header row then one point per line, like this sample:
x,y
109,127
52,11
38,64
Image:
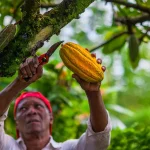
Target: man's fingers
x,y
23,71
30,70
39,71
76,77
27,68
32,66
99,61
103,68
35,61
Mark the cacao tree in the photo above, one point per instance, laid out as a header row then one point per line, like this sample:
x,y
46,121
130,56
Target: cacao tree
x,y
130,25
33,29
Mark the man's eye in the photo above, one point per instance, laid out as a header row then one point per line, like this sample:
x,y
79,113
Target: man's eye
x,y
23,108
38,106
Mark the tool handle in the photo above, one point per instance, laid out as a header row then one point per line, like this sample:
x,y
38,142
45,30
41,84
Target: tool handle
x,y
43,59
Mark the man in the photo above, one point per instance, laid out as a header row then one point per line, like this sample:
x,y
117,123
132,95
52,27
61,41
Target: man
x,y
33,115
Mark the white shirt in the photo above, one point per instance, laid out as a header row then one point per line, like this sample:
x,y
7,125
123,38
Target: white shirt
x,y
88,140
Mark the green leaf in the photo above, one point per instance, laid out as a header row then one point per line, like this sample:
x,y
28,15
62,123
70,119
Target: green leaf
x,y
120,109
103,29
115,45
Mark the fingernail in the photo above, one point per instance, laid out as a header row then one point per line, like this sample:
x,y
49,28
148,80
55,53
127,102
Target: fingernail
x,y
103,68
99,60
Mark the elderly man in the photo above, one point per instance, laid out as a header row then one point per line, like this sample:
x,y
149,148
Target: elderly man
x,y
33,115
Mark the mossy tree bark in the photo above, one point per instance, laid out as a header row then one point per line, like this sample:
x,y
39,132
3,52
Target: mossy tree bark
x,y
35,28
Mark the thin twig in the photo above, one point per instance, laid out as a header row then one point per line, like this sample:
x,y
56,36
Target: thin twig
x,y
128,4
134,20
108,41
145,34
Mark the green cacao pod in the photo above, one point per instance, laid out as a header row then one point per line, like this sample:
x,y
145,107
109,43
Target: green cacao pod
x,y
6,35
134,50
80,61
133,47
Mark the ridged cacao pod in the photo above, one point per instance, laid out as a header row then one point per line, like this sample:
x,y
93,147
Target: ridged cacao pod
x,y
80,61
6,35
134,50
133,47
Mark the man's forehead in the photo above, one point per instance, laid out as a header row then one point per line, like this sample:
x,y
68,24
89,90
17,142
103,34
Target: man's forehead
x,y
30,100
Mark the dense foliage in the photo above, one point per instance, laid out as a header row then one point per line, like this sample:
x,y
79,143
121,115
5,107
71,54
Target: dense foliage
x,y
131,138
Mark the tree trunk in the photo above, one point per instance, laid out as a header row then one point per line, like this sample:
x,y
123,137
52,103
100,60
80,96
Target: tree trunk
x,y
35,28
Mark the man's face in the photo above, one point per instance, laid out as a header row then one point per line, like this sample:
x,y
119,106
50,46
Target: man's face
x,y
32,116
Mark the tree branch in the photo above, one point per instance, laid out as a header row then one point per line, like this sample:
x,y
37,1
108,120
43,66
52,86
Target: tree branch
x,y
44,5
128,4
30,9
108,41
35,28
134,20
55,19
15,11
144,34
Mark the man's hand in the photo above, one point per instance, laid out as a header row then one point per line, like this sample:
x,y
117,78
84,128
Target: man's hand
x,y
86,85
30,70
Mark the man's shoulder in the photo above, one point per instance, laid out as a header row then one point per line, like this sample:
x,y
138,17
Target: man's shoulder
x,y
70,144
9,142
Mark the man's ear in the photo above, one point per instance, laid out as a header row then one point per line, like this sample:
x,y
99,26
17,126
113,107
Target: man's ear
x,y
51,118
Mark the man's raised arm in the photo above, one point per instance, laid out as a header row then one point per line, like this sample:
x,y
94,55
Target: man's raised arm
x,y
29,69
97,136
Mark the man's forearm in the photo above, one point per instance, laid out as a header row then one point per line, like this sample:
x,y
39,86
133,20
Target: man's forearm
x,y
98,113
9,93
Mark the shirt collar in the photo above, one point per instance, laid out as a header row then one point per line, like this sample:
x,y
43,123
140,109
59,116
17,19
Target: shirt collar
x,y
51,142
54,143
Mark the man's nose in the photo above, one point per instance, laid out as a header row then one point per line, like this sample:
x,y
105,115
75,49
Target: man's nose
x,y
31,111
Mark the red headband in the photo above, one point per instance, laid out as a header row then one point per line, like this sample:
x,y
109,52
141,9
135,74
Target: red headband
x,y
32,94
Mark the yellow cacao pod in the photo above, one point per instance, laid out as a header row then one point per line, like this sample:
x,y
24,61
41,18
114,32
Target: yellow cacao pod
x,y
80,61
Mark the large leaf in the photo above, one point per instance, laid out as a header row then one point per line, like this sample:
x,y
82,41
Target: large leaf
x,y
124,11
115,44
103,29
120,109
117,123
145,3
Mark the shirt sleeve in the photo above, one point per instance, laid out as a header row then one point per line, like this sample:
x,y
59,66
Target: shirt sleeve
x,y
2,119
3,136
91,140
